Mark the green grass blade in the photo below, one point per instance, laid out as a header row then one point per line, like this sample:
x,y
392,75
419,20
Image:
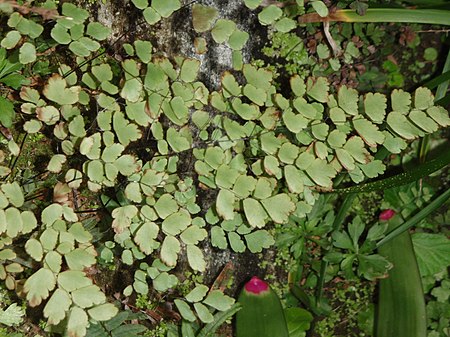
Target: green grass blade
x,y
414,220
443,86
425,16
444,101
438,80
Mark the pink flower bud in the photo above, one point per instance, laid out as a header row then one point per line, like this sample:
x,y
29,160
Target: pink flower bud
x,y
386,214
256,286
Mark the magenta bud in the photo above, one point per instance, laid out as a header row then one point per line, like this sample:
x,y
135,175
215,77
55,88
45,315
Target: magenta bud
x,y
386,214
256,286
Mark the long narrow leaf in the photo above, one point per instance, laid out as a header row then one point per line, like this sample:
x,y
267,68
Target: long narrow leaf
x,y
443,86
401,303
414,220
435,82
425,16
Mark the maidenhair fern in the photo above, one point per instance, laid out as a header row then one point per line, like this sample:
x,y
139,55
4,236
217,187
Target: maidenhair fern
x,y
264,154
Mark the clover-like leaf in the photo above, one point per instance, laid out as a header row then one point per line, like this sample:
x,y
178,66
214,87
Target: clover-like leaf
x,y
56,162
259,78
345,159
285,25
185,310
102,72
318,89
164,282
32,126
373,169
400,101
38,285
169,250
421,120
319,130
71,280
57,306
14,193
203,313
279,207
27,53
177,141
294,122
143,50
401,125
393,144
297,85
79,233
218,300
14,222
189,70
88,296
230,85
423,98
258,240
166,7
440,115
222,30
269,15
252,4
48,239
145,237
75,14
77,322
321,172
97,31
34,248
197,294
348,100
368,132
79,49
56,90
79,258
294,179
238,39
225,204
122,217
177,222
375,107
203,17
141,4
255,213
246,111
60,34
256,95
218,238
193,235
195,258
151,16
132,89
11,39
126,132
320,8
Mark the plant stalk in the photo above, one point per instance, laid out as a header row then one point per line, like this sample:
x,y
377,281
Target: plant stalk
x,y
424,16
